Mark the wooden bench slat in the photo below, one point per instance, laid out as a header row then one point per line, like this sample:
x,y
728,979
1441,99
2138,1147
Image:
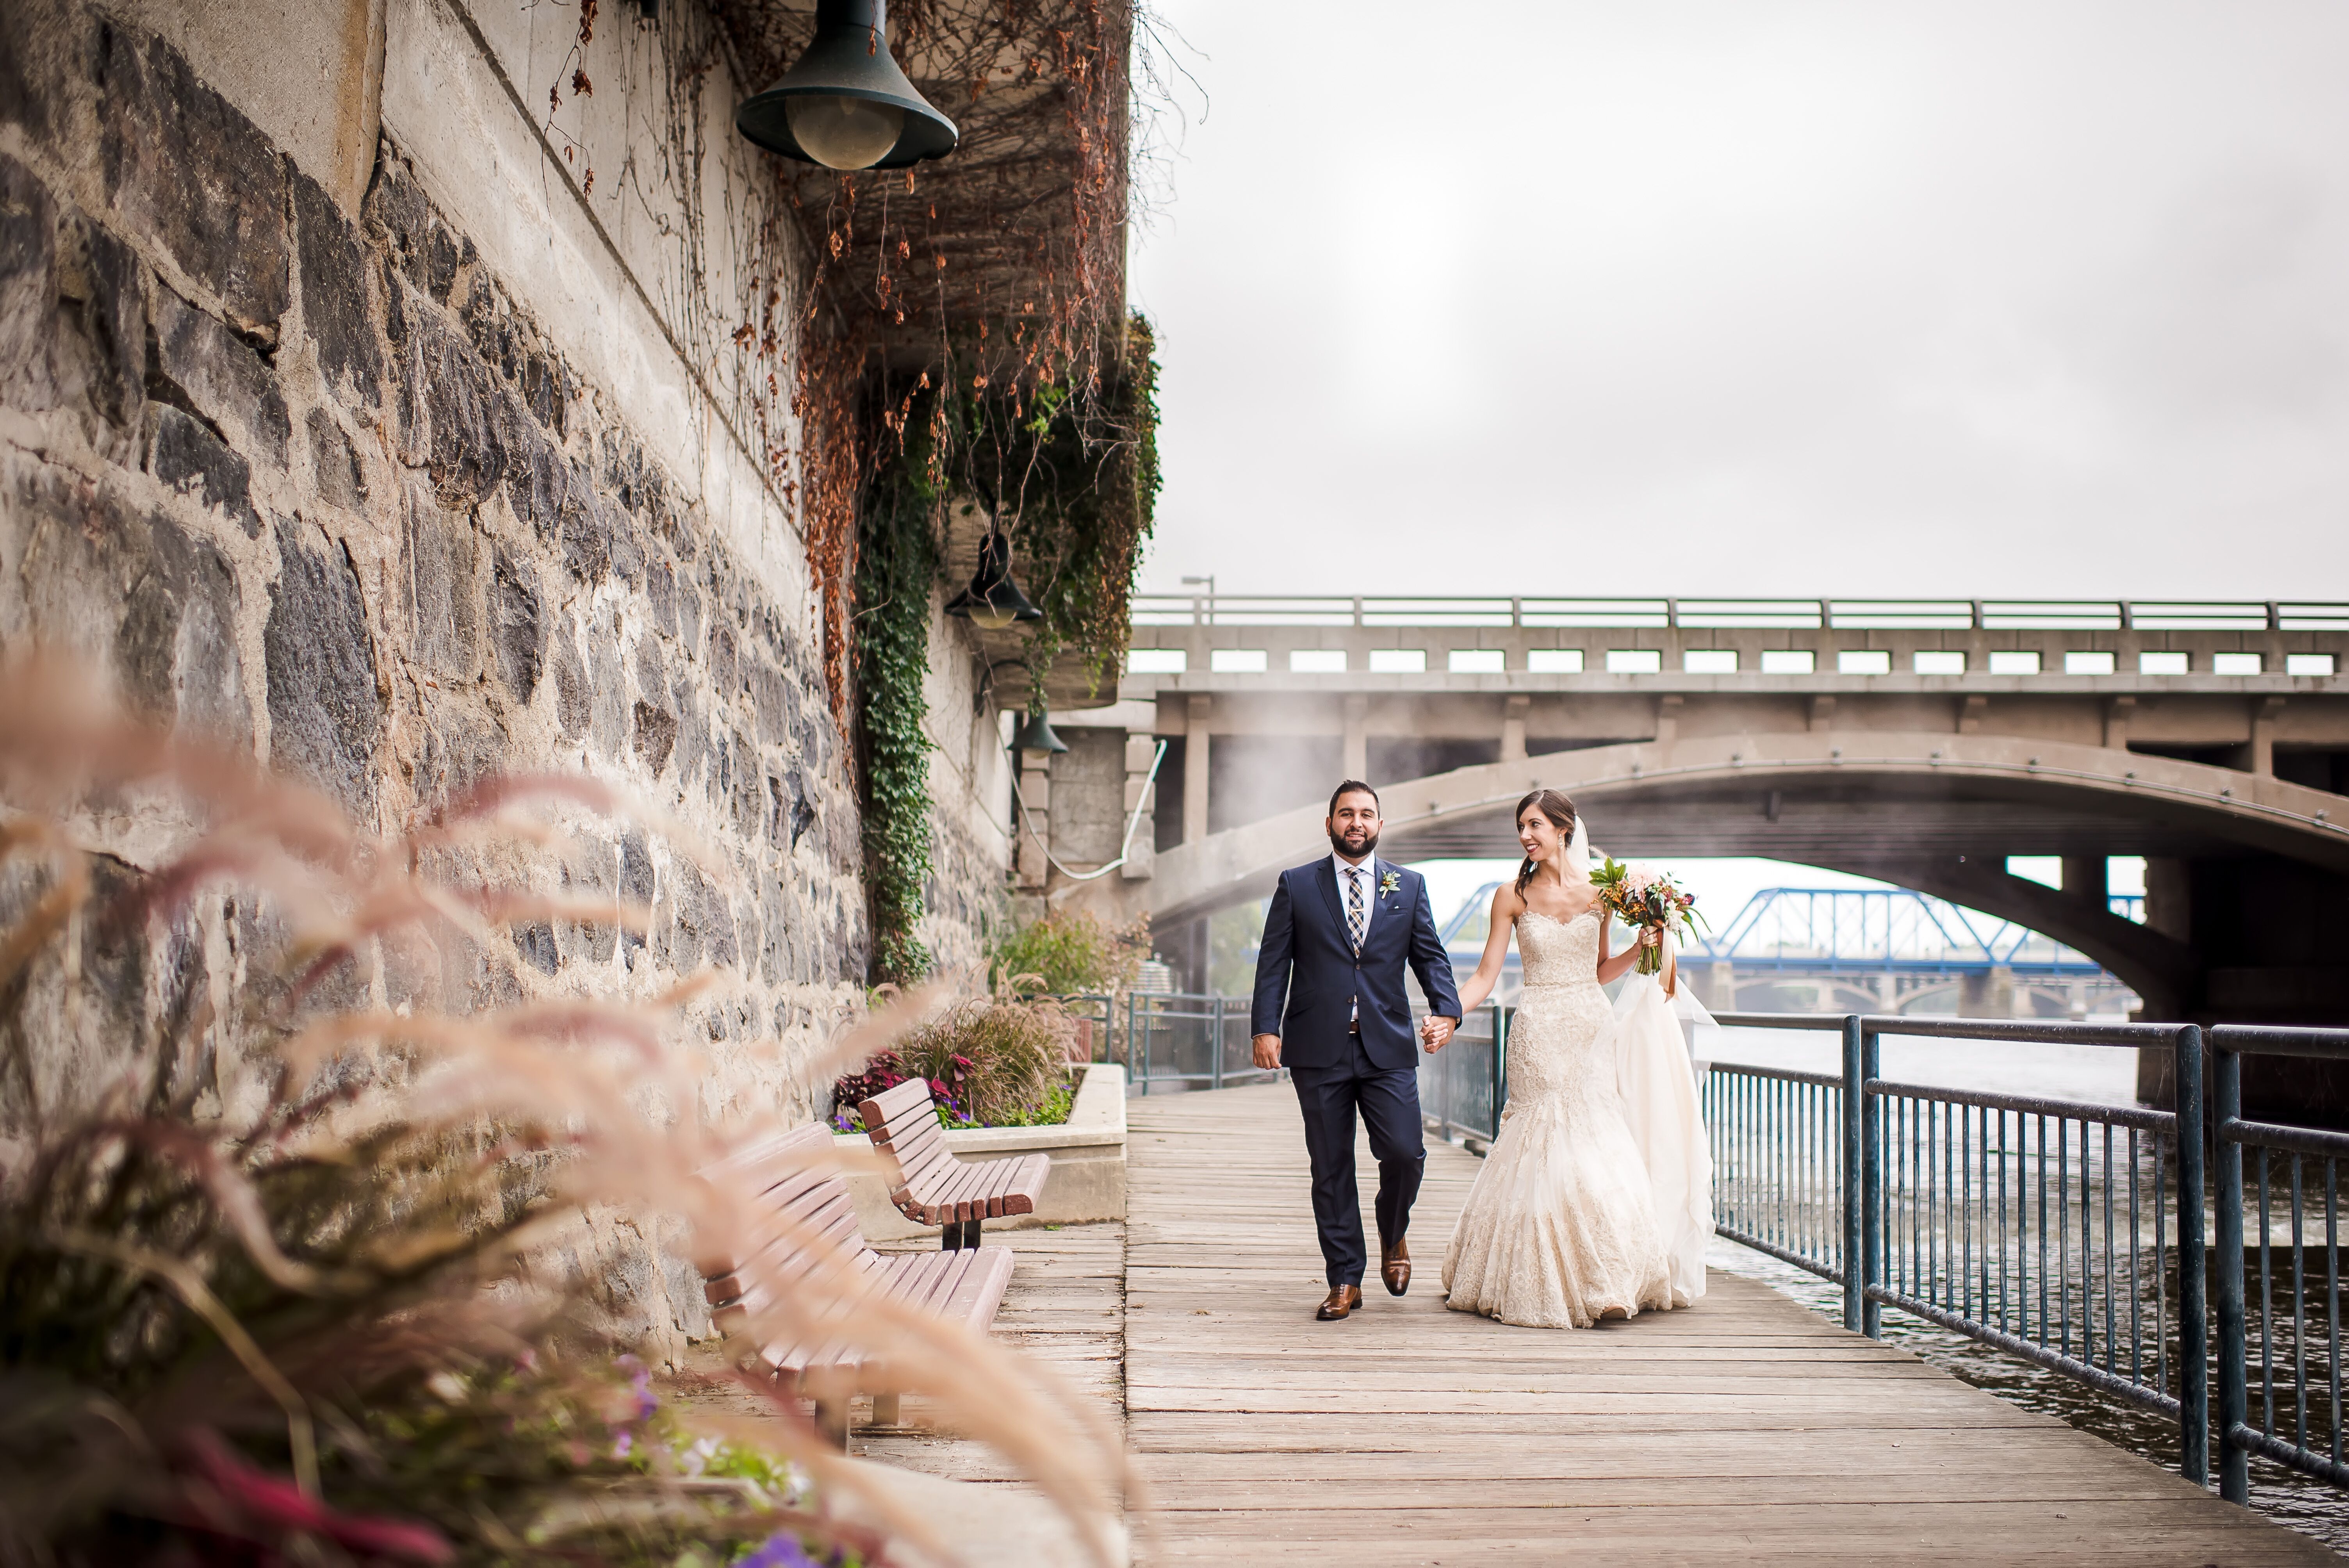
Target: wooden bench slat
x,y
999,1174
918,1173
802,1218
1028,1186
935,1186
980,1291
898,1099
968,1189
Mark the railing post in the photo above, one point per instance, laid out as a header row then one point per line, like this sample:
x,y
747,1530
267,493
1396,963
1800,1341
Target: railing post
x,y
1500,1071
1217,1070
2234,1386
1146,1040
1871,1184
2193,1309
1854,1158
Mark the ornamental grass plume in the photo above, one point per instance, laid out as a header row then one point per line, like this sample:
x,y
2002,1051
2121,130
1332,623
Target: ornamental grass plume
x,y
313,1304
993,1057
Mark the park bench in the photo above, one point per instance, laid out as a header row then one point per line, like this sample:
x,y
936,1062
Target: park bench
x,y
799,1205
930,1184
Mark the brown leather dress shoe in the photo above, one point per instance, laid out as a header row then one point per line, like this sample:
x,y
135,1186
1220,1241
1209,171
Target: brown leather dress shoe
x,y
1394,1267
1343,1300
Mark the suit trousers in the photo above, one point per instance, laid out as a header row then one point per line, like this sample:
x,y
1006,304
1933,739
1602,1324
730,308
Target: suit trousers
x,y
1388,1101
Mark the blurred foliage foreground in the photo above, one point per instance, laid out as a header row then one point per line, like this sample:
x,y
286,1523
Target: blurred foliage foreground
x,y
337,1302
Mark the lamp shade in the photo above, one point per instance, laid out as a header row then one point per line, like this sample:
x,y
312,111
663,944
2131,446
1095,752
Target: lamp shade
x,y
845,103
993,601
1036,734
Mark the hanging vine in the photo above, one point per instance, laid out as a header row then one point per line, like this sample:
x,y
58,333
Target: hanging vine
x,y
896,562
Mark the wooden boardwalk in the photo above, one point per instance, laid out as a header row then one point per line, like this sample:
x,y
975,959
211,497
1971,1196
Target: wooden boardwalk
x,y
1748,1427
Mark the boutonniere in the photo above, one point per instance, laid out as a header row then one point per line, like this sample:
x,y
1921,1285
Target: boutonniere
x,y
1389,882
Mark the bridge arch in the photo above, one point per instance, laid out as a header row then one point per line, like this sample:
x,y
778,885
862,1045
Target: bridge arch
x,y
1935,811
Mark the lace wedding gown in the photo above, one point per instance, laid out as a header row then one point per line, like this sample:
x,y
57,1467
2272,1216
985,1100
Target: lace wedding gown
x,y
1559,1230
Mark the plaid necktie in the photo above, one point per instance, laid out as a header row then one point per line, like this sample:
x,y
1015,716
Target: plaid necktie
x,y
1354,928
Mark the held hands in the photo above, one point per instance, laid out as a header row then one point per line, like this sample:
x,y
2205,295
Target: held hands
x,y
1434,1032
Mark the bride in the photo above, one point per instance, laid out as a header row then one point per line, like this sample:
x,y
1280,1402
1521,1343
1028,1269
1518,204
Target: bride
x,y
1595,1201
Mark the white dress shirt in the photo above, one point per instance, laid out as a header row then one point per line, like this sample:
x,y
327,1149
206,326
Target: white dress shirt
x,y
1370,874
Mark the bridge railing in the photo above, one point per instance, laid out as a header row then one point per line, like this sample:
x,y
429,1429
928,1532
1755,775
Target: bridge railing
x,y
2298,1327
2066,1232
1464,1087
1189,1040
1879,615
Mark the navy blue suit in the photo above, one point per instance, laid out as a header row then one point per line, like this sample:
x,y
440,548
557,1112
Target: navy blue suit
x,y
1346,1037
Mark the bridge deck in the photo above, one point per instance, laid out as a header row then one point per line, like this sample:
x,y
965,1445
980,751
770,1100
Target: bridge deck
x,y
1748,1427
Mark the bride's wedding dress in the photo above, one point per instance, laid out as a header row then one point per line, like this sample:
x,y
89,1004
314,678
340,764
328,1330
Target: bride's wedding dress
x,y
1573,1217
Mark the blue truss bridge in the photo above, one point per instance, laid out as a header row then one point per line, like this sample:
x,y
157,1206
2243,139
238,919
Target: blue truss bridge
x,y
1878,950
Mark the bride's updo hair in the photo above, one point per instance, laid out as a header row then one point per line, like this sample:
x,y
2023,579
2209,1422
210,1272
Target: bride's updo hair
x,y
1561,814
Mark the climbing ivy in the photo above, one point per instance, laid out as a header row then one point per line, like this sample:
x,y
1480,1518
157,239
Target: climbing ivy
x,y
896,563
1077,472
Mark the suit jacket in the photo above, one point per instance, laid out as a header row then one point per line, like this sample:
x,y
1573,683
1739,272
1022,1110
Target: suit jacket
x,y
1307,972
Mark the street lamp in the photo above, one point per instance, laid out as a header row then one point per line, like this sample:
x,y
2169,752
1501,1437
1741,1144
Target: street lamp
x,y
845,103
1036,734
1210,580
993,601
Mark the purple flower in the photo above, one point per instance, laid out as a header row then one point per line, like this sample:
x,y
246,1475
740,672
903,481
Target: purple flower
x,y
624,1446
780,1550
640,1383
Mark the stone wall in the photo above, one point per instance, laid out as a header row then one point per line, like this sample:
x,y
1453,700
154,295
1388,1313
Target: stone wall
x,y
395,493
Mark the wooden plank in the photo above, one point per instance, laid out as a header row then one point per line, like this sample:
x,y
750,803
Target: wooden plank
x,y
1746,1428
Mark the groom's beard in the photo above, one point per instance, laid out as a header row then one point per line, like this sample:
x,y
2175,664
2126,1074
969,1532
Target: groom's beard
x,y
1353,846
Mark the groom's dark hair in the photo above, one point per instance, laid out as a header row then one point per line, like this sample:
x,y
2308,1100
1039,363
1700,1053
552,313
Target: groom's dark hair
x,y
1350,787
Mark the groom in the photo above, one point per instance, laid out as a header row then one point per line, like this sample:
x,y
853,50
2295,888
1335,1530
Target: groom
x,y
1336,942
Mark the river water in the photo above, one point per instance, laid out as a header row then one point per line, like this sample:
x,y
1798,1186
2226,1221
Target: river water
x,y
2096,1074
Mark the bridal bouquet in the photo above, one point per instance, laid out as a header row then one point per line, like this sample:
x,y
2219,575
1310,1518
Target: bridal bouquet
x,y
1641,897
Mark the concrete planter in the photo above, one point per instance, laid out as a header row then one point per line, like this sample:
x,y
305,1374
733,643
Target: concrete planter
x,y
1088,1151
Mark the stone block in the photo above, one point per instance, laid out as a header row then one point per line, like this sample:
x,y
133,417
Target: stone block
x,y
323,707
186,171
654,736
334,309
451,421
660,593
175,652
335,464
202,366
106,277
28,285
573,701
610,689
184,453
535,944
438,567
517,636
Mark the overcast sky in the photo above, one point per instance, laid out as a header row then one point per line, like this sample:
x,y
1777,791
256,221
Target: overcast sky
x,y
1755,297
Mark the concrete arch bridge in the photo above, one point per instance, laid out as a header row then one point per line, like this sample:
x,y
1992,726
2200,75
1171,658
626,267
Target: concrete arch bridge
x,y
1920,742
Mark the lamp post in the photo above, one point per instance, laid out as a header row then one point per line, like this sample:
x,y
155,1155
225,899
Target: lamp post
x,y
845,103
1210,580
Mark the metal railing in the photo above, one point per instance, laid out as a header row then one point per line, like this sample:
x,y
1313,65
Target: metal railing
x,y
1464,1087
1879,615
1781,1142
1096,1019
2300,1343
2065,1233
1196,1041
